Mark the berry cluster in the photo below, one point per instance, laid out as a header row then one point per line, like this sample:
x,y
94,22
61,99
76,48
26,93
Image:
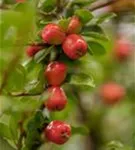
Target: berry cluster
x,y
74,47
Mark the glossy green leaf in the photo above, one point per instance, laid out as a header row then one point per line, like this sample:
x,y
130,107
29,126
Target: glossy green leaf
x,y
105,17
90,50
84,15
13,127
17,79
81,79
95,35
49,5
63,23
35,127
96,48
83,2
41,55
92,28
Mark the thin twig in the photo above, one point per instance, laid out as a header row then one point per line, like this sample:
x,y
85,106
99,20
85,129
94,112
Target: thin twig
x,y
58,4
18,94
101,5
45,14
22,134
84,119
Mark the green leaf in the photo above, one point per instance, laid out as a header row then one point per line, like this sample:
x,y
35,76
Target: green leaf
x,y
13,127
84,15
4,131
82,2
5,145
92,28
115,145
25,104
48,5
96,48
34,87
17,79
83,130
41,55
63,23
105,17
81,79
44,96
90,51
95,35
35,127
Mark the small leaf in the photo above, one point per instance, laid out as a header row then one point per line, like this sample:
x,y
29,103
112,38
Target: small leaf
x,y
82,2
81,79
4,131
84,15
105,17
41,55
63,23
34,129
90,50
49,5
44,96
53,54
92,28
96,48
115,145
34,87
13,127
17,78
95,35
80,130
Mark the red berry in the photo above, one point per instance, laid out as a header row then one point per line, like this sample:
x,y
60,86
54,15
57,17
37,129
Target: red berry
x,y
57,99
58,132
74,25
56,73
32,50
122,49
74,46
112,93
53,34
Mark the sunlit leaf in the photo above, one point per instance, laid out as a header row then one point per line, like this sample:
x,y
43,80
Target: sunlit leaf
x,y
84,15
81,79
105,17
4,131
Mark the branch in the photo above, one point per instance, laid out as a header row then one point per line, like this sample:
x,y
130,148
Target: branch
x,y
22,135
49,14
18,94
58,4
90,143
100,5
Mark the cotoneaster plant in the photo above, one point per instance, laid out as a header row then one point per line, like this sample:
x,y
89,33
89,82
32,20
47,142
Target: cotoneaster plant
x,y
66,38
